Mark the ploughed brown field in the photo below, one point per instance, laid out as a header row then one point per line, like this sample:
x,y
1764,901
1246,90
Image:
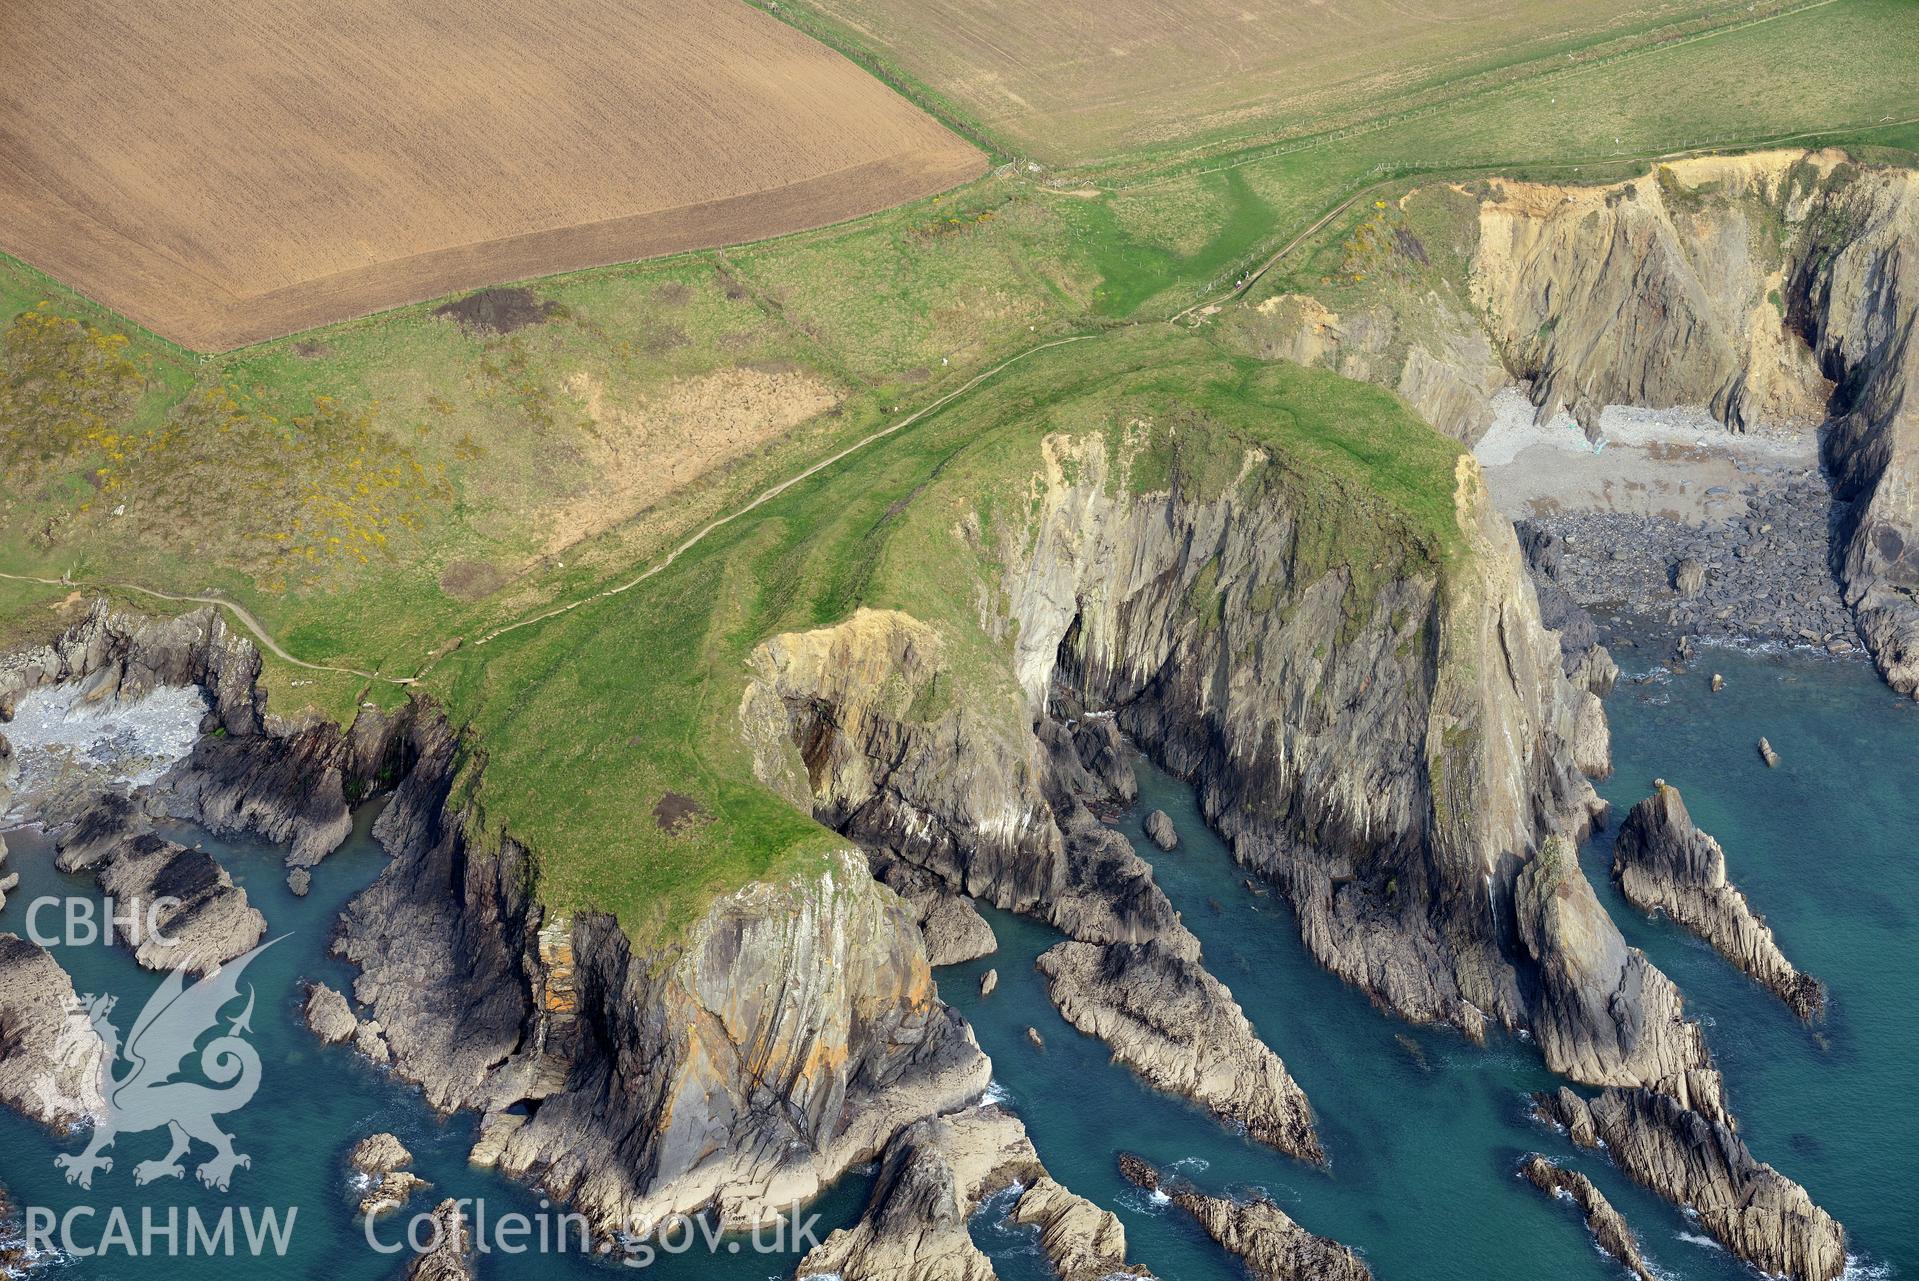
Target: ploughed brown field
x,y
1079,81
224,171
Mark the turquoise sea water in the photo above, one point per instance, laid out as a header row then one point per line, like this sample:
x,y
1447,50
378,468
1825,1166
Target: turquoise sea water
x,y
1424,1129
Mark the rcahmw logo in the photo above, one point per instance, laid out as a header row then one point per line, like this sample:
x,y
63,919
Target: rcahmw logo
x,y
141,1084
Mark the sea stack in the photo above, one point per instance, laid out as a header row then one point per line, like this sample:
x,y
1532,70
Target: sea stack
x,y
1663,863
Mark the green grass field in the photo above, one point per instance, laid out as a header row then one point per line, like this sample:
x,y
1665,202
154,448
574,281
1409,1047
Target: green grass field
x,y
378,489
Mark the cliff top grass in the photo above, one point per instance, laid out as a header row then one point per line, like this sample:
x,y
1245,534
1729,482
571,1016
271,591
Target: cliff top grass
x,y
380,490
589,719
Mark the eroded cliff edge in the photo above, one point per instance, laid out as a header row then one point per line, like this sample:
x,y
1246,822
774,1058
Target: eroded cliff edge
x,y
1779,289
1372,712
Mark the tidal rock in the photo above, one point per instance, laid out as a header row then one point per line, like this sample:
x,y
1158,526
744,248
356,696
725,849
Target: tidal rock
x,y
1160,829
1606,1224
379,1154
934,1175
50,1051
381,1160
189,912
1767,754
329,1016
1701,1162
1663,863
450,1256
1718,682
988,982
299,881
1033,1037
1173,1023
1258,1232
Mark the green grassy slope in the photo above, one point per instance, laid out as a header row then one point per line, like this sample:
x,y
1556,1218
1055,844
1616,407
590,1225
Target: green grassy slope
x,y
380,489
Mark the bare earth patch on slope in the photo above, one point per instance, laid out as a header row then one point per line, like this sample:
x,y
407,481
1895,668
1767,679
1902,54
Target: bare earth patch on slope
x,y
643,451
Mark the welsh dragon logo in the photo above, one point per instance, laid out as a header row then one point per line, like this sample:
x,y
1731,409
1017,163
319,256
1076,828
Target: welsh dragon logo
x,y
148,1096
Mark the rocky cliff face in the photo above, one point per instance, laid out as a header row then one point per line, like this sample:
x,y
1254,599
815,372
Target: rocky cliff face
x,y
1390,733
284,781
1779,288
967,789
1663,863
50,1053
1387,739
788,1034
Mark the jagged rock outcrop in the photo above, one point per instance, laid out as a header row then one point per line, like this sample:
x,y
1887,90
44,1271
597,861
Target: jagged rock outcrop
x,y
1605,1015
1585,660
788,1033
1160,830
381,1161
1273,1247
188,913
1779,288
1700,1162
1607,1225
954,930
1663,863
832,715
261,775
1178,1027
934,1176
449,1256
50,1052
1347,735
126,656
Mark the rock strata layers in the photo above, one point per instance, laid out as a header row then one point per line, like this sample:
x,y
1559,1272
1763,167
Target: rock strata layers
x,y
1700,1162
50,1053
1263,1236
933,1178
997,808
1176,1025
1664,863
1607,1225
188,912
1779,288
787,1034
